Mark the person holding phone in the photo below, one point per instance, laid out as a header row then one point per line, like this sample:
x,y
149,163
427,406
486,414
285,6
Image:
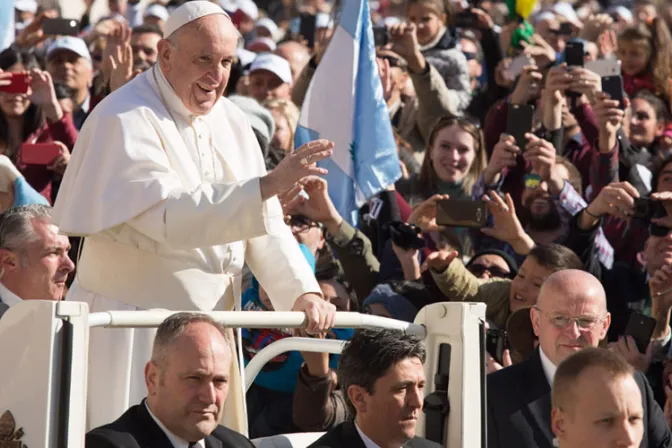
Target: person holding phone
x,y
34,116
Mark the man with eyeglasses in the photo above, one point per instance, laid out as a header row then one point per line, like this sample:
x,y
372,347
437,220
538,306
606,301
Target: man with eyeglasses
x,y
570,315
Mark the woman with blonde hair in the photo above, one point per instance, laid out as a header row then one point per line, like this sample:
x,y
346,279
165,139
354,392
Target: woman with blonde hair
x,y
286,118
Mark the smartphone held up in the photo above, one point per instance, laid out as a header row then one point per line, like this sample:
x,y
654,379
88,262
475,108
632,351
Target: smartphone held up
x,y
15,83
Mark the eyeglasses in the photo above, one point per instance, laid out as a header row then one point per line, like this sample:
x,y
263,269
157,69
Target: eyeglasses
x,y
470,55
495,271
561,322
301,223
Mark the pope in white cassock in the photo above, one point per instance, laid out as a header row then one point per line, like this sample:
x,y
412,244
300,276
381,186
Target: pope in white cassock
x,y
168,185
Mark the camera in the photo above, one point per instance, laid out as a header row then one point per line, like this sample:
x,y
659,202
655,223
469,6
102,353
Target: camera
x,y
647,208
406,236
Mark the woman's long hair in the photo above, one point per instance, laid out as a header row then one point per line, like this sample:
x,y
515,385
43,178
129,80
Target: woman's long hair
x,y
33,117
428,180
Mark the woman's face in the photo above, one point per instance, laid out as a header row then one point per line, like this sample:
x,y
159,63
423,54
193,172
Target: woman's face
x,y
644,124
14,104
426,20
452,153
283,134
634,56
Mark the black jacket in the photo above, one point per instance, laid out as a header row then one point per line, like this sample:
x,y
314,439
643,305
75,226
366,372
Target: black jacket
x,y
3,307
519,409
345,435
137,429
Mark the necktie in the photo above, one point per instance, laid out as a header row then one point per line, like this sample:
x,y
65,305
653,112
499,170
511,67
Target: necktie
x,y
192,444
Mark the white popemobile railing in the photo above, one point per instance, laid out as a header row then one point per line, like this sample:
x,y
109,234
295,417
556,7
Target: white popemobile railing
x,y
44,358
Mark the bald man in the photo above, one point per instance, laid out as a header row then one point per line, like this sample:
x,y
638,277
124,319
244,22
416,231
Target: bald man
x,y
297,54
169,187
570,315
187,383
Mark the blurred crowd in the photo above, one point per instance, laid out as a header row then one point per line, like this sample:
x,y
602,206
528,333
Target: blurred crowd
x,y
486,107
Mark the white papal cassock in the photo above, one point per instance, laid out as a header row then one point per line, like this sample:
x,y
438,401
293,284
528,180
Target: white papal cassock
x,y
171,210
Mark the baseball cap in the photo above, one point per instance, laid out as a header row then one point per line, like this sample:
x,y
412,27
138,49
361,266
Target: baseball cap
x,y
249,8
323,20
268,24
621,11
274,64
246,57
26,5
158,11
260,43
70,43
567,11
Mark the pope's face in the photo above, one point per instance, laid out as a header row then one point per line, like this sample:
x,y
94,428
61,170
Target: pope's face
x,y
197,60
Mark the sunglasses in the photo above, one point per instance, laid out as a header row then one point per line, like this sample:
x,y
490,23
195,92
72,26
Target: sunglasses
x,y
300,222
495,271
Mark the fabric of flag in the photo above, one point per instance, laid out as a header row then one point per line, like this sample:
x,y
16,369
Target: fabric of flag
x,y
344,103
6,24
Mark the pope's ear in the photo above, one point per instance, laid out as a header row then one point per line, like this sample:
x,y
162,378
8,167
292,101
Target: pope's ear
x,y
8,260
165,49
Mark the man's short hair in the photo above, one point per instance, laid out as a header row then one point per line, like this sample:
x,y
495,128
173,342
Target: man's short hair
x,y
610,365
16,226
556,257
147,28
371,353
174,326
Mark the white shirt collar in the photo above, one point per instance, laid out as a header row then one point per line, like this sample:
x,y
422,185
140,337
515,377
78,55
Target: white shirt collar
x,y
176,441
548,366
368,443
173,102
8,297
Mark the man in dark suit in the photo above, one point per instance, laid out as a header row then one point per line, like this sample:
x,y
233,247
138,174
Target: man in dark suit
x,y
187,382
382,377
570,315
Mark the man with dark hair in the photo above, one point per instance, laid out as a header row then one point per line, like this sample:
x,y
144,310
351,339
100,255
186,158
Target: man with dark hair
x,y
382,377
187,381
570,315
144,42
34,262
596,402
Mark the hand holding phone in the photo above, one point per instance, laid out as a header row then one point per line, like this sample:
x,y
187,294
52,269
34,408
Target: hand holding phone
x,y
60,27
461,213
39,153
519,122
18,82
613,85
495,343
641,328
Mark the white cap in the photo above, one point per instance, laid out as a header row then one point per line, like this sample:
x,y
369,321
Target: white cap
x,y
70,43
249,8
624,13
391,21
323,20
229,6
158,11
274,64
246,57
545,15
266,41
26,5
189,12
269,24
567,11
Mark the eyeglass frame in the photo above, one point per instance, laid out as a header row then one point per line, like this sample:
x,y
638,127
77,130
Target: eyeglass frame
x,y
572,320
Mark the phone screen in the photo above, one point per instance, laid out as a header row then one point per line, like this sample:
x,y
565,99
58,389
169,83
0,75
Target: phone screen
x,y
380,36
496,343
63,27
574,54
640,327
18,83
461,213
307,28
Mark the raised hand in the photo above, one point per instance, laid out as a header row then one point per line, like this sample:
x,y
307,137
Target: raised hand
x,y
424,214
616,199
506,226
43,94
439,261
504,155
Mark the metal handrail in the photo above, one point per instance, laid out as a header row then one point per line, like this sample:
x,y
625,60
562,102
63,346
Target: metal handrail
x,y
250,319
288,345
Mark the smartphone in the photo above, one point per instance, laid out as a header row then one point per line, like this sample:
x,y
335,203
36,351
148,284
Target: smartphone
x,y
461,213
574,54
307,26
517,65
640,327
647,208
496,342
61,27
604,67
39,153
381,36
18,83
519,122
613,85
465,19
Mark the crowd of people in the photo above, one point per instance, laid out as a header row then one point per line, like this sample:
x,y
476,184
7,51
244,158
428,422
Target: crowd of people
x,y
577,244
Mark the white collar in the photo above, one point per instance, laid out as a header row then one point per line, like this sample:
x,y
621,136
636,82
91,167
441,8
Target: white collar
x,y
434,41
8,297
548,366
176,441
173,102
368,443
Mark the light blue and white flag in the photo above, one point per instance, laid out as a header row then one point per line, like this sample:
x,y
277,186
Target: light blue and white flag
x,y
6,23
345,104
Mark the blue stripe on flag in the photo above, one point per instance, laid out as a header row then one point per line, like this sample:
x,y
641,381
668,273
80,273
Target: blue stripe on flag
x,y
350,17
6,25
